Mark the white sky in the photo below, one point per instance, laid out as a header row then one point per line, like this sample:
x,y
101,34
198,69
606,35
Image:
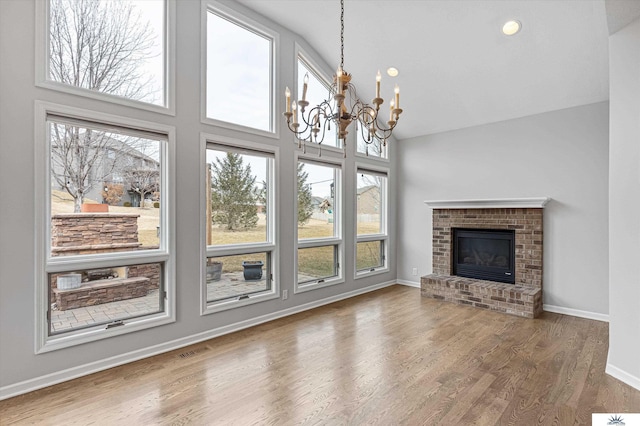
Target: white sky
x,y
239,90
153,11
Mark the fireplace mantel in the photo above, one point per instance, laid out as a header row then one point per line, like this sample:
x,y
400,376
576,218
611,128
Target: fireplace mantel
x,y
498,203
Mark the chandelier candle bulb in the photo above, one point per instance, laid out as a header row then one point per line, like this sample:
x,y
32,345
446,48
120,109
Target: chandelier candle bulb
x,y
287,94
294,108
304,86
397,92
378,78
391,106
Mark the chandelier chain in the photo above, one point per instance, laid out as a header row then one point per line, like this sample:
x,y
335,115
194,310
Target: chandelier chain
x,y
342,34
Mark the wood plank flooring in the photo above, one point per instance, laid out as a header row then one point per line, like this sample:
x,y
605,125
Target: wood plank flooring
x,y
387,357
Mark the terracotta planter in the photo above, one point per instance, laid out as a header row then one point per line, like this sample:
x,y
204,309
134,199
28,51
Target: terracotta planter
x,y
94,208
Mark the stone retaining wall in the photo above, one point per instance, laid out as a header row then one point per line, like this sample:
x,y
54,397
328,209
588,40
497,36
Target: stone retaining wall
x,y
101,291
89,233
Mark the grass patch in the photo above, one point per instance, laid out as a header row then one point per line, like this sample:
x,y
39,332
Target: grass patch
x,y
317,262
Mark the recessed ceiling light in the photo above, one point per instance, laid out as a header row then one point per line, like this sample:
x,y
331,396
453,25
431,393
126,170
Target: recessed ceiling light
x,y
392,71
511,27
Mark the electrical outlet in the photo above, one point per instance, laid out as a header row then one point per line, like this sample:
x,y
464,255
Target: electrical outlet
x,y
285,294
415,271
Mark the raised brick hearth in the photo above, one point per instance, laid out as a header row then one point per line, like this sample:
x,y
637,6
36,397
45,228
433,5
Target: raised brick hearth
x,y
522,299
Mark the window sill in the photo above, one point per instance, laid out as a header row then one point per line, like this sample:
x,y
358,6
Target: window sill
x,y
101,331
225,305
368,273
314,285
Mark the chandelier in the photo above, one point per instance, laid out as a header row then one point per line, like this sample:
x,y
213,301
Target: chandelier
x,y
342,108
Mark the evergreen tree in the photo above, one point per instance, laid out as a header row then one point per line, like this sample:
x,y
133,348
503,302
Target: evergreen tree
x,y
305,205
233,197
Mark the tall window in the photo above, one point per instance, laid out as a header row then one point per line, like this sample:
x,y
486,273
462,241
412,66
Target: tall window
x,y
106,249
239,73
371,212
319,224
110,47
239,218
317,92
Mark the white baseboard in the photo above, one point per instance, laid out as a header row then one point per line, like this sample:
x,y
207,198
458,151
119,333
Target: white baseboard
x,y
623,376
576,313
409,283
93,367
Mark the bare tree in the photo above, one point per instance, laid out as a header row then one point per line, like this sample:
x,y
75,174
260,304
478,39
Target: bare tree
x,y
96,45
100,45
143,181
139,167
79,160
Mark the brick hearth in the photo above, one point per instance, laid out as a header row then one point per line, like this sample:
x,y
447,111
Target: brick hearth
x,y
522,299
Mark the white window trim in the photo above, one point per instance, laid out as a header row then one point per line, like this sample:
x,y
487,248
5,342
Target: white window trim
x,y
42,64
361,167
271,245
258,28
338,220
46,264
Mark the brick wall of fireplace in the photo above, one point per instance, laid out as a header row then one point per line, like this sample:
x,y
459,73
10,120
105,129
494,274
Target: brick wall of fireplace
x,y
522,299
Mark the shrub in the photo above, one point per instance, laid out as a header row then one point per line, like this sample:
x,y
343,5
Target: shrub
x,y
126,204
112,193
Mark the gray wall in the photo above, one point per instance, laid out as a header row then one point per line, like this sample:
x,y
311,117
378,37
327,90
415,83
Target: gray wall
x,y
624,208
561,154
18,363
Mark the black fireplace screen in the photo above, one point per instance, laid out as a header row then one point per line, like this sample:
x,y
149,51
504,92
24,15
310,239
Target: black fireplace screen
x,y
484,254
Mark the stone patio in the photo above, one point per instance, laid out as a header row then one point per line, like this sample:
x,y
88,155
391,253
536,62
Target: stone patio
x,y
231,284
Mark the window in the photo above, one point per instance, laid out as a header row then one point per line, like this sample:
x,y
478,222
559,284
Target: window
x,y
239,73
371,213
115,50
239,220
317,92
105,245
375,149
319,251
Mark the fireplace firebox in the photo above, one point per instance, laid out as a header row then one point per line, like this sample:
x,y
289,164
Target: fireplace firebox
x,y
485,254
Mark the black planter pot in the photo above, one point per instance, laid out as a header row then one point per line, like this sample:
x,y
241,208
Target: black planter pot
x,y
252,270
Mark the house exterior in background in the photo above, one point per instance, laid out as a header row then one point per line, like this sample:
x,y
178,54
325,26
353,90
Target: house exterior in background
x,y
117,164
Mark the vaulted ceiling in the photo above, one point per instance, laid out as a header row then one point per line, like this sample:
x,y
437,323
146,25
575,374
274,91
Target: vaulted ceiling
x,y
456,67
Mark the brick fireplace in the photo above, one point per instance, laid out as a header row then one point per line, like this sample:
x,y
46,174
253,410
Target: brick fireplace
x,y
524,217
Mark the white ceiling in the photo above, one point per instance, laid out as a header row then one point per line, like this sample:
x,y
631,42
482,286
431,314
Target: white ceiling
x,y
456,67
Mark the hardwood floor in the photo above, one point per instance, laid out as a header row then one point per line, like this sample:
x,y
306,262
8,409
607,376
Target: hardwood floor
x,y
387,357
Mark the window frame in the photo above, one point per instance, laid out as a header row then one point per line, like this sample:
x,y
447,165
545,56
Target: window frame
x,y
338,237
270,246
258,28
363,155
46,264
383,236
42,64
